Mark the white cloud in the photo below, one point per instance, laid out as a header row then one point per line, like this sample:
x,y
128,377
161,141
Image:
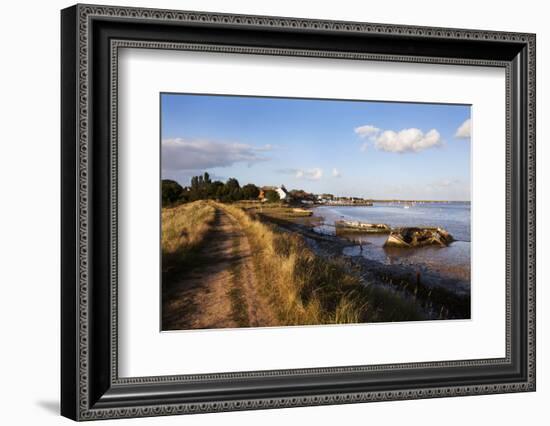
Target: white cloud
x,y
336,173
310,174
407,140
190,154
367,131
465,130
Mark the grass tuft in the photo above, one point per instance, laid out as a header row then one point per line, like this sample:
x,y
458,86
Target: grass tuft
x,y
183,230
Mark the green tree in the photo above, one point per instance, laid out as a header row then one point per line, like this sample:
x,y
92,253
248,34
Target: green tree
x,y
172,192
250,191
232,190
201,187
272,196
216,190
232,184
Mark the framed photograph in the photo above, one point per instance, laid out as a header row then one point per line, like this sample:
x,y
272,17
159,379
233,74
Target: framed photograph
x,y
263,212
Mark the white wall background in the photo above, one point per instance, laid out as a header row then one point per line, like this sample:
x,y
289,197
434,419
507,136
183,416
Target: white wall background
x,y
29,214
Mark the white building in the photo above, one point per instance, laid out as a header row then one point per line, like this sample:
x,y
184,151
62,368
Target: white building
x,y
283,193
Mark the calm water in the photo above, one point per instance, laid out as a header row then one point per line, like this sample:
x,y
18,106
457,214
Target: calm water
x,y
452,261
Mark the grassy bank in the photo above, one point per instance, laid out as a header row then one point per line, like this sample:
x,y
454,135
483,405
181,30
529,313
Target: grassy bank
x,y
183,230
306,289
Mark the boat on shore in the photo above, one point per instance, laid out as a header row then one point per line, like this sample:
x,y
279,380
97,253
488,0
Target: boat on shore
x,y
410,237
361,227
302,212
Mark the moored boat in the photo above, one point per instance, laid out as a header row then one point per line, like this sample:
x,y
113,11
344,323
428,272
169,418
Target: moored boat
x,y
302,212
356,226
409,237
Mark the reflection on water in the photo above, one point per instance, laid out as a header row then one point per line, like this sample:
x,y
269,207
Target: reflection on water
x,y
452,261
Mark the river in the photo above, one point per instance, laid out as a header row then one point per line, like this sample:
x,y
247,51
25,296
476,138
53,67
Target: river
x,y
452,261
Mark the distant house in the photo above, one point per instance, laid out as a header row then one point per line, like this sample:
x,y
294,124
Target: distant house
x,y
280,190
283,193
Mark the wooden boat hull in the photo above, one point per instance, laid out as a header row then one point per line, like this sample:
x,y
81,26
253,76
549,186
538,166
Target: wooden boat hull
x,y
418,237
302,212
361,227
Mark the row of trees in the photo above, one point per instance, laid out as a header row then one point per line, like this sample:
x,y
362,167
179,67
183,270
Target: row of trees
x,y
203,188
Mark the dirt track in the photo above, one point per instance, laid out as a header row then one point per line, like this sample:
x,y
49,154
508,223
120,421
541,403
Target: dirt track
x,y
221,291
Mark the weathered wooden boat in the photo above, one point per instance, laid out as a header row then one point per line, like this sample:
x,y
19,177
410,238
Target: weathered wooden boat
x,y
361,227
302,212
409,237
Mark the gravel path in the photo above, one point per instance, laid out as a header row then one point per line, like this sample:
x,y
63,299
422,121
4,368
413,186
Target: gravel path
x,y
221,291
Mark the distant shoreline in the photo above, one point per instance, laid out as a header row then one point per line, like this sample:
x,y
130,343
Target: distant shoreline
x,y
370,203
418,201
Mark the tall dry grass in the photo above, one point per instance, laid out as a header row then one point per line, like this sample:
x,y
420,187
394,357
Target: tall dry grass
x,y
306,289
183,230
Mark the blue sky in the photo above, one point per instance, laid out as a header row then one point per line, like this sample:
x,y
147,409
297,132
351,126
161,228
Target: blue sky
x,y
347,148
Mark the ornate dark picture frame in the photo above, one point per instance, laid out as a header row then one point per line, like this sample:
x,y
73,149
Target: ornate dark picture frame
x,y
90,385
